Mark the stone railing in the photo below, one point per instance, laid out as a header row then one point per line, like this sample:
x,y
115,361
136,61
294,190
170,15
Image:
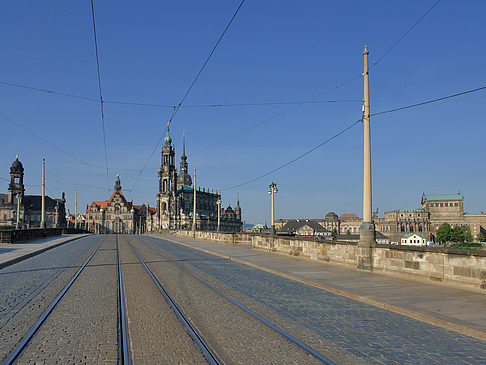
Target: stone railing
x,y
16,235
464,268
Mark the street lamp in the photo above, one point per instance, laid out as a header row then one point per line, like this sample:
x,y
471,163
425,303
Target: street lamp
x,y
272,189
219,214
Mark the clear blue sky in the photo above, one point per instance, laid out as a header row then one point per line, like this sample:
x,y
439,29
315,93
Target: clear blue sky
x,y
150,52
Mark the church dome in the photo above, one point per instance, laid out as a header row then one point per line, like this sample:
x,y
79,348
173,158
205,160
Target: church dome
x,y
16,166
167,139
184,179
331,216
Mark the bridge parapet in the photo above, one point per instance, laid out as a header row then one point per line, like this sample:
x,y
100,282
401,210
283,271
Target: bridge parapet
x,y
447,266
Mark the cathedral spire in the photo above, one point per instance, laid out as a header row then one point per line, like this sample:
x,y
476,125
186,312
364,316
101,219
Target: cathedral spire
x,y
117,183
167,138
184,143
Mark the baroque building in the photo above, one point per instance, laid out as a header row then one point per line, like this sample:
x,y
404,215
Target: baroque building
x,y
117,215
435,210
29,207
175,198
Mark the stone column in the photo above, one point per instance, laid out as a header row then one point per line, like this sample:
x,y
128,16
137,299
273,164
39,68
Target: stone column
x,y
194,207
367,228
43,201
219,214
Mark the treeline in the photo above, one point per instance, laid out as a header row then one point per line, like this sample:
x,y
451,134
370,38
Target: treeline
x,y
458,234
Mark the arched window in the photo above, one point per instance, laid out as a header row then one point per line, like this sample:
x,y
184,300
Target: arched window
x,y
164,206
420,228
402,228
411,229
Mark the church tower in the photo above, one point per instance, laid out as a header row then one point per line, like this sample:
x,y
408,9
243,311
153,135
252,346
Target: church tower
x,y
166,203
16,181
183,178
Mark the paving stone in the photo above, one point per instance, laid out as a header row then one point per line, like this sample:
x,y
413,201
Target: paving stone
x,y
366,331
30,286
86,318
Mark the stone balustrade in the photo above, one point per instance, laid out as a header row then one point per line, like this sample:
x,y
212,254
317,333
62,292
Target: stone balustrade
x,y
454,267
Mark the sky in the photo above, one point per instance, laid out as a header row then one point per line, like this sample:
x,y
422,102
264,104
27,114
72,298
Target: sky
x,y
274,51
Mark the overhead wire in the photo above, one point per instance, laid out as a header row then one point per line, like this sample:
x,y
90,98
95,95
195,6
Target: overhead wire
x,y
17,124
349,127
296,158
404,34
177,108
327,91
429,101
205,63
101,95
166,106
275,116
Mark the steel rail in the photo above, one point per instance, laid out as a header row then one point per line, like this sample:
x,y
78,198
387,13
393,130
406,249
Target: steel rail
x,y
122,315
23,344
285,334
201,343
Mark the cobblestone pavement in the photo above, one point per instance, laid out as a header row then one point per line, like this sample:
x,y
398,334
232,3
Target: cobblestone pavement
x,y
156,334
368,332
237,337
30,286
82,329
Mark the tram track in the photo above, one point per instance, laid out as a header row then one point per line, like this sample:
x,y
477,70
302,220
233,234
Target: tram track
x,y
287,336
208,353
15,354
57,330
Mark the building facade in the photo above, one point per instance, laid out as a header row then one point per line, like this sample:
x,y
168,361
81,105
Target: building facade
x,y
117,215
435,210
28,208
175,199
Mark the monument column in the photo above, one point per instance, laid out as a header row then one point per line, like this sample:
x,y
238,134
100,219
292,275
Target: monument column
x,y
367,229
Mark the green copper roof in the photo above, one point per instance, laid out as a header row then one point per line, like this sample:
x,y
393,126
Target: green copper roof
x,y
443,197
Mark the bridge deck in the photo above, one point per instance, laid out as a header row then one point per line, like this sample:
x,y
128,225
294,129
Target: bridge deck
x,y
452,308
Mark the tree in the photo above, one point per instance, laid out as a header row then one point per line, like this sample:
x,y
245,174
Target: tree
x,y
348,232
481,237
334,231
468,237
444,233
458,234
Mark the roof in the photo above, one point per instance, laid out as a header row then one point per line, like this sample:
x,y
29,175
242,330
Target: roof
x,y
348,216
436,197
34,202
295,224
185,188
104,204
408,235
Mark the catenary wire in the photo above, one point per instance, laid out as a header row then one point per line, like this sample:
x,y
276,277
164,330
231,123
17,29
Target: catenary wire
x,y
296,158
349,127
101,95
429,101
275,116
205,63
405,34
48,142
327,91
177,108
214,105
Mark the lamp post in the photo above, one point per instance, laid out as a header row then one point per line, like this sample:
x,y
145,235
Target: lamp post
x,y
18,211
272,189
219,214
